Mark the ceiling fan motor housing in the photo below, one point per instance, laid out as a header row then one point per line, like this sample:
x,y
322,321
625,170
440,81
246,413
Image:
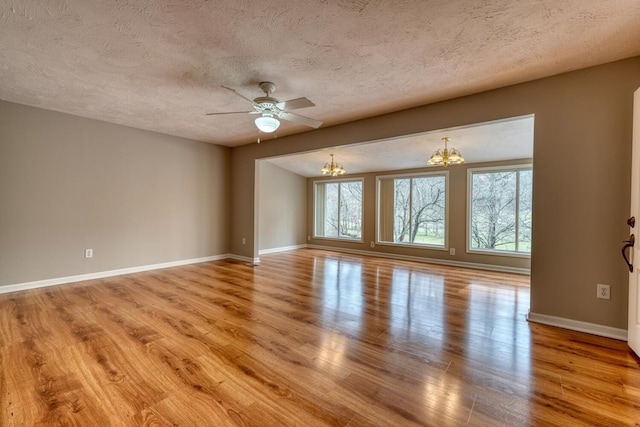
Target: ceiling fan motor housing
x,y
266,102
266,105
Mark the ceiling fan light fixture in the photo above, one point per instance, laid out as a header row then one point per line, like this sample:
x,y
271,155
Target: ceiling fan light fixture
x,y
267,124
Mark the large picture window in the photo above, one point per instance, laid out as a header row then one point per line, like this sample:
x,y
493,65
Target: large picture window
x,y
412,209
338,209
500,210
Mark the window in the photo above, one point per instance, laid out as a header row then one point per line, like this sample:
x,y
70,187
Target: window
x,y
412,209
338,209
500,210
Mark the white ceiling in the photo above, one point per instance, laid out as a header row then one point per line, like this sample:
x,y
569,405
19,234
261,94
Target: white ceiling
x,y
160,64
492,141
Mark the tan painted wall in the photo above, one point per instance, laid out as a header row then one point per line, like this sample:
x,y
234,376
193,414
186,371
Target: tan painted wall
x,y
580,207
457,219
281,211
135,197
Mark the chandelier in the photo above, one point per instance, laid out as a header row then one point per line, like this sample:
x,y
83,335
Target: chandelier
x,y
446,157
332,168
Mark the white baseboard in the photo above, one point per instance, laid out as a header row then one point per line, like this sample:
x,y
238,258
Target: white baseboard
x,y
487,267
281,249
103,274
577,325
253,261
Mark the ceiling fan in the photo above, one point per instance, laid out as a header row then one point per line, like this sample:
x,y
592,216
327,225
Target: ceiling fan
x,y
270,109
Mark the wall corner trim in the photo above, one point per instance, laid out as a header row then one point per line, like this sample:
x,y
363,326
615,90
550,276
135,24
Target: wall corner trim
x,y
102,274
577,325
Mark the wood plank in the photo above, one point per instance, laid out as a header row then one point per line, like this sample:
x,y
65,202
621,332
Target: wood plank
x,y
308,337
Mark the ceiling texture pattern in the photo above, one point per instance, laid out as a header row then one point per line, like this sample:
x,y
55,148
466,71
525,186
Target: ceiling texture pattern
x,y
160,64
498,140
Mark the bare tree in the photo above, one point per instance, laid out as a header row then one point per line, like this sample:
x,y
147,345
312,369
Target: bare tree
x,y
525,207
428,204
418,203
402,203
493,221
351,209
343,209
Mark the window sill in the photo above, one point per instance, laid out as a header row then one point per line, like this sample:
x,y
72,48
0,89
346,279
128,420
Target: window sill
x,y
338,239
413,246
499,253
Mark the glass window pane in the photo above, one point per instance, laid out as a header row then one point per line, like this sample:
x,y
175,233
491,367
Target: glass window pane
x,y
331,210
338,209
401,210
411,210
351,209
428,210
524,211
493,211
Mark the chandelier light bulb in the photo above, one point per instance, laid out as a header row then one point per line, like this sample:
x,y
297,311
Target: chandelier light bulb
x,y
332,169
445,157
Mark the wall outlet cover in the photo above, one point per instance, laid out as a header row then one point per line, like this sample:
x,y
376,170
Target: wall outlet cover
x,y
604,291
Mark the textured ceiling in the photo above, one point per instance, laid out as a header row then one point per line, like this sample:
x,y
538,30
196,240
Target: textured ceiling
x,y
160,64
506,139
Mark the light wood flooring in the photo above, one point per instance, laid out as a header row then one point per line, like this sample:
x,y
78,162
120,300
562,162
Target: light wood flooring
x,y
307,338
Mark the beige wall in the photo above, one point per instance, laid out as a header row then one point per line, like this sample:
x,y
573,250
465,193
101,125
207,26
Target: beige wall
x,y
456,217
135,197
140,198
282,215
580,206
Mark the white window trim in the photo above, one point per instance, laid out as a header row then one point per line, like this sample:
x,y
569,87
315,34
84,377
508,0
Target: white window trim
x,y
446,211
331,181
493,252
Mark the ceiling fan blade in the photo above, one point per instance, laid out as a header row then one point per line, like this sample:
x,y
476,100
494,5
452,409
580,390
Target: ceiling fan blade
x,y
297,118
294,104
238,93
230,112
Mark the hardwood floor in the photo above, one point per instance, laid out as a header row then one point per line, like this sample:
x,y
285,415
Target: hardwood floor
x,y
307,338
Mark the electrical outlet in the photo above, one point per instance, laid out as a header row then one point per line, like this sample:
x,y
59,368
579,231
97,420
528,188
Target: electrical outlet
x,y
308,238
604,291
452,251
373,245
244,240
88,253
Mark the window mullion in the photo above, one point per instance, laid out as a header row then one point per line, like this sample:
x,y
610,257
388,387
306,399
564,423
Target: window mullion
x,y
410,209
339,208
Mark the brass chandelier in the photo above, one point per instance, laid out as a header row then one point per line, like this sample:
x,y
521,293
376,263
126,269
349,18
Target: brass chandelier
x,y
332,168
446,157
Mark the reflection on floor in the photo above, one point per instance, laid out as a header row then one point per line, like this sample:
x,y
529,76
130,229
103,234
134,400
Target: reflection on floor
x,y
306,338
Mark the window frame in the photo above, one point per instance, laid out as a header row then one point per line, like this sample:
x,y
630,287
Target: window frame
x,y
444,173
505,168
315,201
